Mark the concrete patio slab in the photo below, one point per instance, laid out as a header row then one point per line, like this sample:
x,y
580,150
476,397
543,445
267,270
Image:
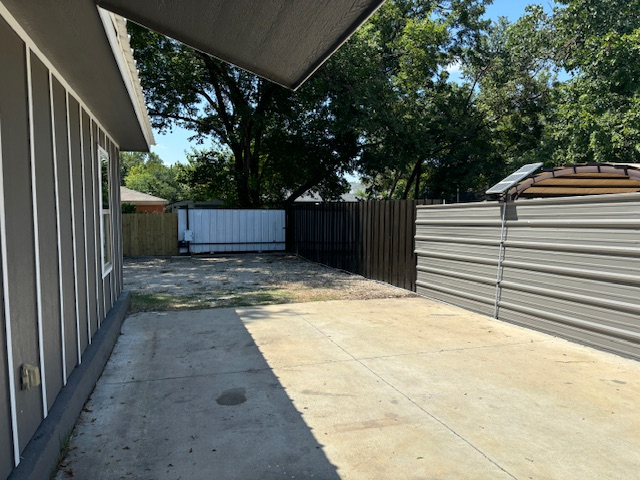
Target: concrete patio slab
x,y
379,389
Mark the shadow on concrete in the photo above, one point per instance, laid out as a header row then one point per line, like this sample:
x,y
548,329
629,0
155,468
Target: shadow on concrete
x,y
189,395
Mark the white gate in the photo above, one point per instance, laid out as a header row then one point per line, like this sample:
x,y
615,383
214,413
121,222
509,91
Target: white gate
x,y
230,230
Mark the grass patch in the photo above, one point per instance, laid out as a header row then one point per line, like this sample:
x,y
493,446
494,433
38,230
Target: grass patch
x,y
160,302
249,299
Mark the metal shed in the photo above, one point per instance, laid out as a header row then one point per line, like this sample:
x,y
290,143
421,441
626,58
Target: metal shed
x,y
567,266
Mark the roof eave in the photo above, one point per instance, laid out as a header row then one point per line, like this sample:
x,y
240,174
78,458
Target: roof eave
x,y
72,39
115,28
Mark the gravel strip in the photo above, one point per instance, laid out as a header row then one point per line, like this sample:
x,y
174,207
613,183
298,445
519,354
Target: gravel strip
x,y
242,279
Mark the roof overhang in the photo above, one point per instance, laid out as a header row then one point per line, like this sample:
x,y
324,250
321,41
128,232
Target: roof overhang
x,y
90,51
284,41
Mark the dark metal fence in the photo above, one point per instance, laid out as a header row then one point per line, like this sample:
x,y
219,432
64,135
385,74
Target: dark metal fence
x,y
374,239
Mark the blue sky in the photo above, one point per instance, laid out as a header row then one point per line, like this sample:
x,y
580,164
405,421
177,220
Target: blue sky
x,y
171,147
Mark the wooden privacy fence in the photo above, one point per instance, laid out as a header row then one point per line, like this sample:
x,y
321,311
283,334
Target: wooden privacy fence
x,y
374,239
147,234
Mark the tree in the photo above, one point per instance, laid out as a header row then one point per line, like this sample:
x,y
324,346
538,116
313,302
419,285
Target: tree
x,y
280,144
381,106
597,113
417,118
207,176
516,77
446,136
132,159
147,173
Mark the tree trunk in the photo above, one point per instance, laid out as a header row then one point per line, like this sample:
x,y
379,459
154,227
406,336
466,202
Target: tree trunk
x,y
414,172
242,178
302,189
416,194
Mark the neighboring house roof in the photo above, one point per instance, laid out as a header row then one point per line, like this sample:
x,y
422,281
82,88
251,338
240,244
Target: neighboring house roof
x,y
582,179
352,196
315,198
91,56
281,40
138,198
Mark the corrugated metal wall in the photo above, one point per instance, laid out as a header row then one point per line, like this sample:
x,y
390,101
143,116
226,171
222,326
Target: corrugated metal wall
x,y
232,230
571,266
55,292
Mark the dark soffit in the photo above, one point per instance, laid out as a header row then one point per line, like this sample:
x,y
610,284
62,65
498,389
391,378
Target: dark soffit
x,y
284,41
70,34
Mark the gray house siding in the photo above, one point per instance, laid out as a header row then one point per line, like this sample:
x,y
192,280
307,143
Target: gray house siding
x,y
47,232
77,192
55,293
89,222
19,265
65,226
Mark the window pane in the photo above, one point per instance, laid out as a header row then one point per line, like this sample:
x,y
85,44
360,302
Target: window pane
x,y
103,158
106,238
104,164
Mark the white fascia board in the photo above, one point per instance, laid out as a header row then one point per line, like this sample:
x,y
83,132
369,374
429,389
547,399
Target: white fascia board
x,y
116,31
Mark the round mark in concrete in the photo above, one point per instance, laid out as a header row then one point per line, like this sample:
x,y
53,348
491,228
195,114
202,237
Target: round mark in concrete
x,y
234,396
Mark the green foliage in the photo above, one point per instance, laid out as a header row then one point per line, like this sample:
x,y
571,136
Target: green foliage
x,y
385,105
418,117
279,144
597,113
147,173
132,159
128,208
207,176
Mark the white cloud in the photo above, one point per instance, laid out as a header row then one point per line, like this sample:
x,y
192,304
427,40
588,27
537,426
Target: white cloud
x,y
454,67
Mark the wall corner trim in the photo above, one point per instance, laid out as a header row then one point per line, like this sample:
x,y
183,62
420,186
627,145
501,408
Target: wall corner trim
x,y
41,453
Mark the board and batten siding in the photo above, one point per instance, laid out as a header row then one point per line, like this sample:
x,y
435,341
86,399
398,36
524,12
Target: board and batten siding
x,y
55,292
568,267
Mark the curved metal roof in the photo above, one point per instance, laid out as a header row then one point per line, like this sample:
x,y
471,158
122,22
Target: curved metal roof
x,y
578,180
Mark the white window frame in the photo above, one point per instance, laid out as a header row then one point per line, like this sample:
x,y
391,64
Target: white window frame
x,y
107,267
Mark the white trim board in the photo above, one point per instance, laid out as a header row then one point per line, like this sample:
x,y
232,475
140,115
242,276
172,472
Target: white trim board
x,y
84,222
109,21
73,228
54,144
36,236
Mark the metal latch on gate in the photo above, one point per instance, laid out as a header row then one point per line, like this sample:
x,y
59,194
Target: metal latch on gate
x,y
30,376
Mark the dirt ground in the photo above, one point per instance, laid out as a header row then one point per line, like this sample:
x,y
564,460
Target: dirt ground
x,y
158,284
